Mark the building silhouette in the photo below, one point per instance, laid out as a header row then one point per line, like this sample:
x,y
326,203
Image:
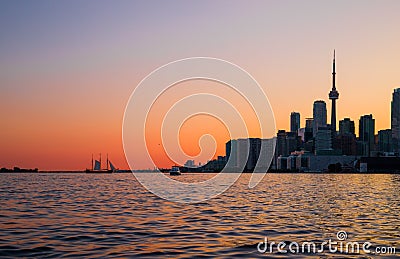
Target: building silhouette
x,y
190,163
309,123
320,146
254,153
385,143
281,148
319,116
346,143
231,153
366,134
294,121
333,96
395,120
345,140
346,126
308,130
323,141
244,154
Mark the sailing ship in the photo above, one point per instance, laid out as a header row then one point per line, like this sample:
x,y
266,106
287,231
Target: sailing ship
x,y
96,167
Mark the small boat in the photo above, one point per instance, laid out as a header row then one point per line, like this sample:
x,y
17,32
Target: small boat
x,y
96,167
175,170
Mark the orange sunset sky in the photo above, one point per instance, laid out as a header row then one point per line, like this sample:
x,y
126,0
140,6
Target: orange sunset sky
x,y
67,68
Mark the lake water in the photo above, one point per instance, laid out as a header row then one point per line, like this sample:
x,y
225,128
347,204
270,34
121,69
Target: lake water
x,y
60,214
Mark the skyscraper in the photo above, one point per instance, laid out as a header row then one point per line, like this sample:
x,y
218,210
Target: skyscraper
x,y
309,123
319,116
323,141
231,153
346,126
308,130
294,121
385,142
395,120
367,134
345,141
333,95
281,143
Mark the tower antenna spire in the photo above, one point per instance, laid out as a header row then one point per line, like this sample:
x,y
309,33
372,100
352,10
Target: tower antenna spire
x,y
334,71
333,96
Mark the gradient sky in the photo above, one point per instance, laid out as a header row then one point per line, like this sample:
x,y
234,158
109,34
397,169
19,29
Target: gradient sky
x,y
67,68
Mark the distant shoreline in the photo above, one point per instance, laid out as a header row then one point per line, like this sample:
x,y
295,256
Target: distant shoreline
x,y
191,173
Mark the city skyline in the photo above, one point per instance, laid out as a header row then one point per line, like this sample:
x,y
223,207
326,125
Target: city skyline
x,y
67,69
188,129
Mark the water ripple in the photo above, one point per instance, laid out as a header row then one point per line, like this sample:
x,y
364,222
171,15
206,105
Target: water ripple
x,y
102,216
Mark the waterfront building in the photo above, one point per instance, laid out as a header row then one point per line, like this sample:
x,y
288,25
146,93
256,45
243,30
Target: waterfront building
x,y
366,134
346,143
385,143
245,153
323,140
395,120
231,153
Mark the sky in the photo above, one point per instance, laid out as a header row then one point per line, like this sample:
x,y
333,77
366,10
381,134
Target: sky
x,y
68,68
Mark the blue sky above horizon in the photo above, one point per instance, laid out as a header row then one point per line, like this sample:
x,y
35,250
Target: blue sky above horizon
x,y
61,61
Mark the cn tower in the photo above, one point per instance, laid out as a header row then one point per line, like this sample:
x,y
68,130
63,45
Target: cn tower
x,y
333,95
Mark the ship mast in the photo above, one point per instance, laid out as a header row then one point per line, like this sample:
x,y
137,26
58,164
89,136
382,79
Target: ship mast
x,y
107,161
92,162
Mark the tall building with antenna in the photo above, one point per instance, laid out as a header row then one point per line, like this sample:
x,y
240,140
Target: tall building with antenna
x,y
333,95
